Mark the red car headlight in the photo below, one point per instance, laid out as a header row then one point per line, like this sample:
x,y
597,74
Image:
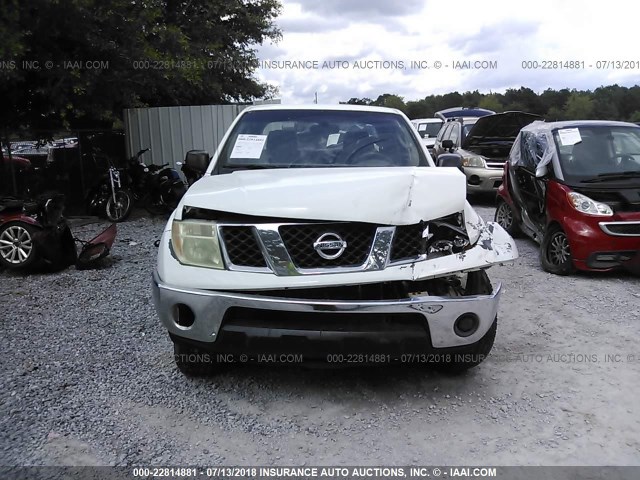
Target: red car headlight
x,y
584,204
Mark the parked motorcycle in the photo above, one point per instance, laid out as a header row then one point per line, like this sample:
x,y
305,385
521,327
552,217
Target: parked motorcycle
x,y
158,188
110,196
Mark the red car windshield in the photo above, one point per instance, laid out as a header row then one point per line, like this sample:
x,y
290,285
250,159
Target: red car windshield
x,y
594,153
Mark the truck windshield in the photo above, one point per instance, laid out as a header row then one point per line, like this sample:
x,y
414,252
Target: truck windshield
x,y
431,128
598,153
320,138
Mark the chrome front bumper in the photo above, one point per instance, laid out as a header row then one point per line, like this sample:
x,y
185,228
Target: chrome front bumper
x,y
210,307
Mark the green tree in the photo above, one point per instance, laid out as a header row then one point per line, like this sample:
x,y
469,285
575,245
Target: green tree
x,y
79,63
554,114
418,109
391,101
579,106
607,102
611,102
630,102
453,99
491,102
523,99
553,99
471,99
359,101
635,116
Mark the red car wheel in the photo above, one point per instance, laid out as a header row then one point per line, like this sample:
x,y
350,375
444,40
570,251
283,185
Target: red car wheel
x,y
555,253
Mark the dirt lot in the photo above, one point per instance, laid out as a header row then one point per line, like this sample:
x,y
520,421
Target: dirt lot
x,y
88,378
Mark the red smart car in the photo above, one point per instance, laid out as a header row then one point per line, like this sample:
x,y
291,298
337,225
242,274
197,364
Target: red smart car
x,y
574,187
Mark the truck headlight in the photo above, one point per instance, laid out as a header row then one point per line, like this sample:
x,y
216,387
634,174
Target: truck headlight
x,y
446,235
584,204
196,243
471,160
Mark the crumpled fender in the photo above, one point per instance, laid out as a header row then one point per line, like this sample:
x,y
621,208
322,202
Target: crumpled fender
x,y
494,246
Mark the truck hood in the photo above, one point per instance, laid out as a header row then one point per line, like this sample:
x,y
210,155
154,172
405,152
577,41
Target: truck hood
x,y
388,196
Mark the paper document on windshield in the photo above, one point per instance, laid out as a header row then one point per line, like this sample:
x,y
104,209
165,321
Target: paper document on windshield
x,y
332,139
569,136
248,146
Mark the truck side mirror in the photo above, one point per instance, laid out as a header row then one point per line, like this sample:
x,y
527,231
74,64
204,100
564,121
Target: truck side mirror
x,y
450,160
447,144
197,160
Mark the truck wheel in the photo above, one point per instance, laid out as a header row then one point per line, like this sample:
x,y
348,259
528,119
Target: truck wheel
x,y
555,255
17,248
191,361
506,219
470,356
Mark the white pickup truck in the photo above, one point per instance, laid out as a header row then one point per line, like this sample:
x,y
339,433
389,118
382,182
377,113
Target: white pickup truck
x,y
327,233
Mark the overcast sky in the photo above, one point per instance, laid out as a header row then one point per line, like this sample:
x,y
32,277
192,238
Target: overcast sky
x,y
447,31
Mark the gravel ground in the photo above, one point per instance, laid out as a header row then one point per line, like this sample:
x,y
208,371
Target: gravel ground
x,y
88,379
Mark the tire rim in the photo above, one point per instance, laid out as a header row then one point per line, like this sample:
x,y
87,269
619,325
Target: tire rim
x,y
16,245
504,217
558,249
119,208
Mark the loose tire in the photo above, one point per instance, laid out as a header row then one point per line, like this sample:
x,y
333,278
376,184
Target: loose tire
x,y
506,219
555,254
17,248
119,210
471,356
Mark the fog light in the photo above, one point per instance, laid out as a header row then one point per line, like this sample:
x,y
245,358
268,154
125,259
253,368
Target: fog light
x,y
183,315
466,324
474,180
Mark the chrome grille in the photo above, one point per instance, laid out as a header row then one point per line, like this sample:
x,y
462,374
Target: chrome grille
x,y
242,246
288,248
299,240
408,242
497,165
622,229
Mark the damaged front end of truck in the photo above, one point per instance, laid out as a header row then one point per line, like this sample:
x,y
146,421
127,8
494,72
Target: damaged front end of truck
x,y
327,233
400,274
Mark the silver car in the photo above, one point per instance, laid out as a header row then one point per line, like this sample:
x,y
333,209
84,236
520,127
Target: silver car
x,y
484,144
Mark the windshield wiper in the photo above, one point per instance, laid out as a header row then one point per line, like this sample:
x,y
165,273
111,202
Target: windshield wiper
x,y
603,177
